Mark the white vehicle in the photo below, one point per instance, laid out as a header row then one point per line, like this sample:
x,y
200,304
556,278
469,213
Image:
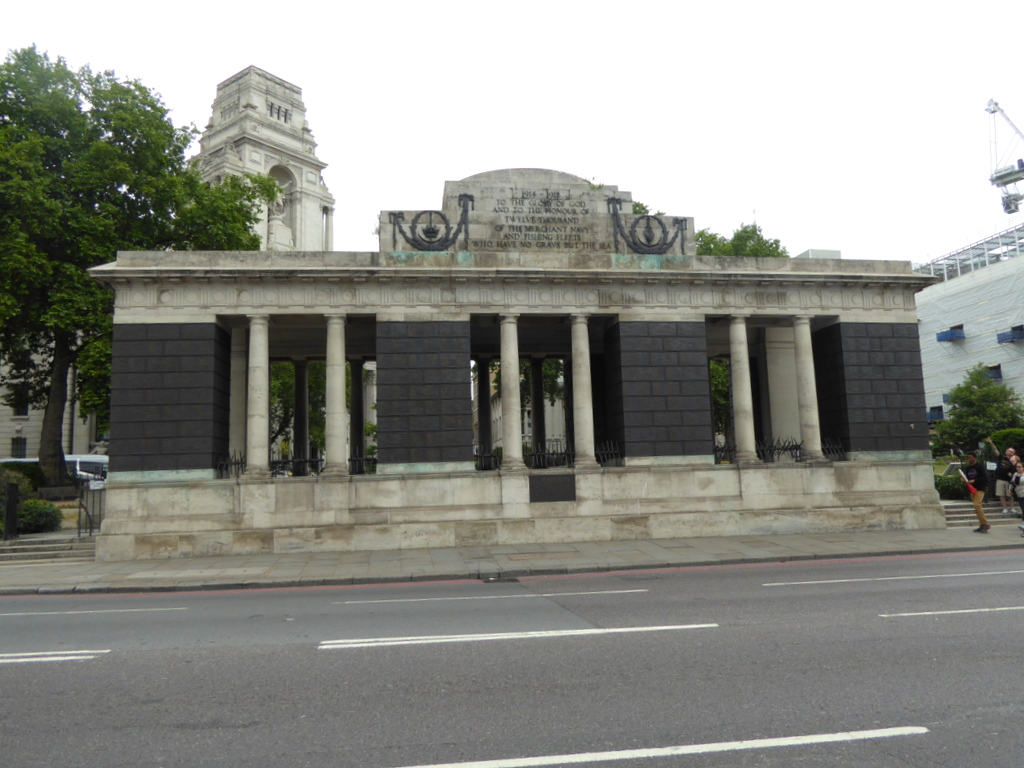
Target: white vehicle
x,y
92,467
88,466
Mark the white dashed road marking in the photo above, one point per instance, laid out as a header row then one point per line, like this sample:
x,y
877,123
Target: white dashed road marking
x,y
380,642
685,749
22,658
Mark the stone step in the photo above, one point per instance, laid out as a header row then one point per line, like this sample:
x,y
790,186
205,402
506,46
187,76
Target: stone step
x,y
960,514
48,548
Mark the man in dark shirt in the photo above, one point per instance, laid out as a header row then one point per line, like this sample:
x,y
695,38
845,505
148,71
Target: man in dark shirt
x,y
974,474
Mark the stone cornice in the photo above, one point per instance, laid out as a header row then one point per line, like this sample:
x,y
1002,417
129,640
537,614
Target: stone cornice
x,y
175,294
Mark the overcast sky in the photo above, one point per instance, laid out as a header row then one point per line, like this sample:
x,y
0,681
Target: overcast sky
x,y
852,126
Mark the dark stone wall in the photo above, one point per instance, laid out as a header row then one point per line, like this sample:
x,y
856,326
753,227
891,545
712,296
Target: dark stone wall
x,y
659,398
169,393
424,406
871,386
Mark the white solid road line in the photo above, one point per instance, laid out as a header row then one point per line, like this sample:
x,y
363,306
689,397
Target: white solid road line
x,y
22,658
490,597
892,578
77,613
380,642
949,613
686,749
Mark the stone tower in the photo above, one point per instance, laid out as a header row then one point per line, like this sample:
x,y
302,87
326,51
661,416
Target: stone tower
x,y
259,126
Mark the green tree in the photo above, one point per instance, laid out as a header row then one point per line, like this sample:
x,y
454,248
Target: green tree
x,y
978,406
721,405
89,165
282,402
748,240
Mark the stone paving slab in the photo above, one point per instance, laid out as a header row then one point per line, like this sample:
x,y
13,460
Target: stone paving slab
x,y
295,569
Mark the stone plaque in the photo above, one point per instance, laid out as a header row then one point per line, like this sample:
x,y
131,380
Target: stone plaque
x,y
526,210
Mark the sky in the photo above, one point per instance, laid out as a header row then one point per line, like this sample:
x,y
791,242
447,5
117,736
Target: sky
x,y
858,127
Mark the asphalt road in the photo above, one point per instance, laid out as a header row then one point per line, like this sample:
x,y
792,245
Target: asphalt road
x,y
912,661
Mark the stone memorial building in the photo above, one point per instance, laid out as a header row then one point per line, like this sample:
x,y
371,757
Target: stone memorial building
x,y
516,265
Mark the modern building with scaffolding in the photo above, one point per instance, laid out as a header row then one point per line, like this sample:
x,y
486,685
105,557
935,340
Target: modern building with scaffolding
x,y
973,315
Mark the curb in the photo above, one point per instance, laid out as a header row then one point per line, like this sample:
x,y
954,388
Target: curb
x,y
477,575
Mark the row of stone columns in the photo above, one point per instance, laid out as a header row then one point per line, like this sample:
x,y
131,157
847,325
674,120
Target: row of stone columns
x,y
511,410
254,382
742,394
257,392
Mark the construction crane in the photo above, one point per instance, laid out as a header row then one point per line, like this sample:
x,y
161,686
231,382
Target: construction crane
x,y
1006,178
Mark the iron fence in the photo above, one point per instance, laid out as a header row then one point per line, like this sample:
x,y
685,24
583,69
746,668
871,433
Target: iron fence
x,y
230,467
833,449
779,448
363,464
609,454
552,453
92,504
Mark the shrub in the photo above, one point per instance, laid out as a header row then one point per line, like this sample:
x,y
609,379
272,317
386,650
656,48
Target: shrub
x,y
38,516
31,470
25,490
1009,438
951,488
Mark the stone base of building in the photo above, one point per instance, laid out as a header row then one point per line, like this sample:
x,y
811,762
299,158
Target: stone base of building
x,y
197,518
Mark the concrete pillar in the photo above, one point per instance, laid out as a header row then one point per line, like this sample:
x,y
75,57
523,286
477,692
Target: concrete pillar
x,y
742,397
300,426
582,395
257,435
336,419
357,410
239,377
511,409
806,390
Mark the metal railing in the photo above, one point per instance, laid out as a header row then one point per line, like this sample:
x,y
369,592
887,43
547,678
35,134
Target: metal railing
x,y
230,467
290,467
92,504
552,453
781,447
832,448
361,464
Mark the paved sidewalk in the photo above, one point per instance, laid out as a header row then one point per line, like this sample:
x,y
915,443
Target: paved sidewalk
x,y
325,568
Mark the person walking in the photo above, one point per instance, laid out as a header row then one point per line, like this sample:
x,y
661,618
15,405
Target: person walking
x,y
1005,468
1017,486
976,479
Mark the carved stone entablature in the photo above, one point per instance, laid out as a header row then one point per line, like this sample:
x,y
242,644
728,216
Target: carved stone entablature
x,y
360,291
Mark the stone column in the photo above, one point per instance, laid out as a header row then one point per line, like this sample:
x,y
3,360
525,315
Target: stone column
x,y
806,390
336,421
742,397
257,432
511,409
537,404
483,404
237,417
300,427
357,412
582,395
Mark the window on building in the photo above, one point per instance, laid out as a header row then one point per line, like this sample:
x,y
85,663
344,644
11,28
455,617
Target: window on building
x,y
19,448
995,372
21,409
1016,333
955,333
935,413
278,112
